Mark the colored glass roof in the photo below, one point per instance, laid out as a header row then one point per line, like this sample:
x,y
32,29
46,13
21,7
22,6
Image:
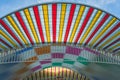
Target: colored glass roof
x,y
60,22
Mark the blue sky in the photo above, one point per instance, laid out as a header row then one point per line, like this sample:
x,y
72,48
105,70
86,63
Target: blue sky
x,y
111,6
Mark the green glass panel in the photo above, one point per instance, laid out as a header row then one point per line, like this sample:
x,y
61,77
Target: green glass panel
x,y
47,67
68,61
56,64
82,60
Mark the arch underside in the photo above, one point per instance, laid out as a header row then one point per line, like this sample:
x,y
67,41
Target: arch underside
x,y
30,60
56,73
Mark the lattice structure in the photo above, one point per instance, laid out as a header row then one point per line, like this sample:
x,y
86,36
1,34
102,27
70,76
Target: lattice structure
x,y
60,22
66,52
56,73
58,34
33,59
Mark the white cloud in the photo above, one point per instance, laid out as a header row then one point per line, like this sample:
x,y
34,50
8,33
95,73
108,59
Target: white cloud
x,y
99,3
7,8
111,6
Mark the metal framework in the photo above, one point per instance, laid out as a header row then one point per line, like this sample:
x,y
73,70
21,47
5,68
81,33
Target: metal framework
x,y
57,34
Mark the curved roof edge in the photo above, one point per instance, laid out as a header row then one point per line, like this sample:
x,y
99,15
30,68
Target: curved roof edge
x,y
60,2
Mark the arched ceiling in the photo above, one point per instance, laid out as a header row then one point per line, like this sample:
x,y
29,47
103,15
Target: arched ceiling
x,y
56,73
60,23
30,60
32,35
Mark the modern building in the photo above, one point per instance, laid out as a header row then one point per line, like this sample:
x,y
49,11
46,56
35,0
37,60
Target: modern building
x,y
59,41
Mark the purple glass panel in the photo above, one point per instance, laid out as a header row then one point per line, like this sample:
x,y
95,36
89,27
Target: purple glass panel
x,y
72,50
57,55
45,61
92,51
36,68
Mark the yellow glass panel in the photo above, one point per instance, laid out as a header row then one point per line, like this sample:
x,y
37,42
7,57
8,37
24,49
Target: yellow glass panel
x,y
16,29
110,39
103,31
62,17
4,35
81,11
27,14
117,45
3,47
46,21
96,17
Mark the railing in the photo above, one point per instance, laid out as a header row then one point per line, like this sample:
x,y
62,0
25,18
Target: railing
x,y
13,56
